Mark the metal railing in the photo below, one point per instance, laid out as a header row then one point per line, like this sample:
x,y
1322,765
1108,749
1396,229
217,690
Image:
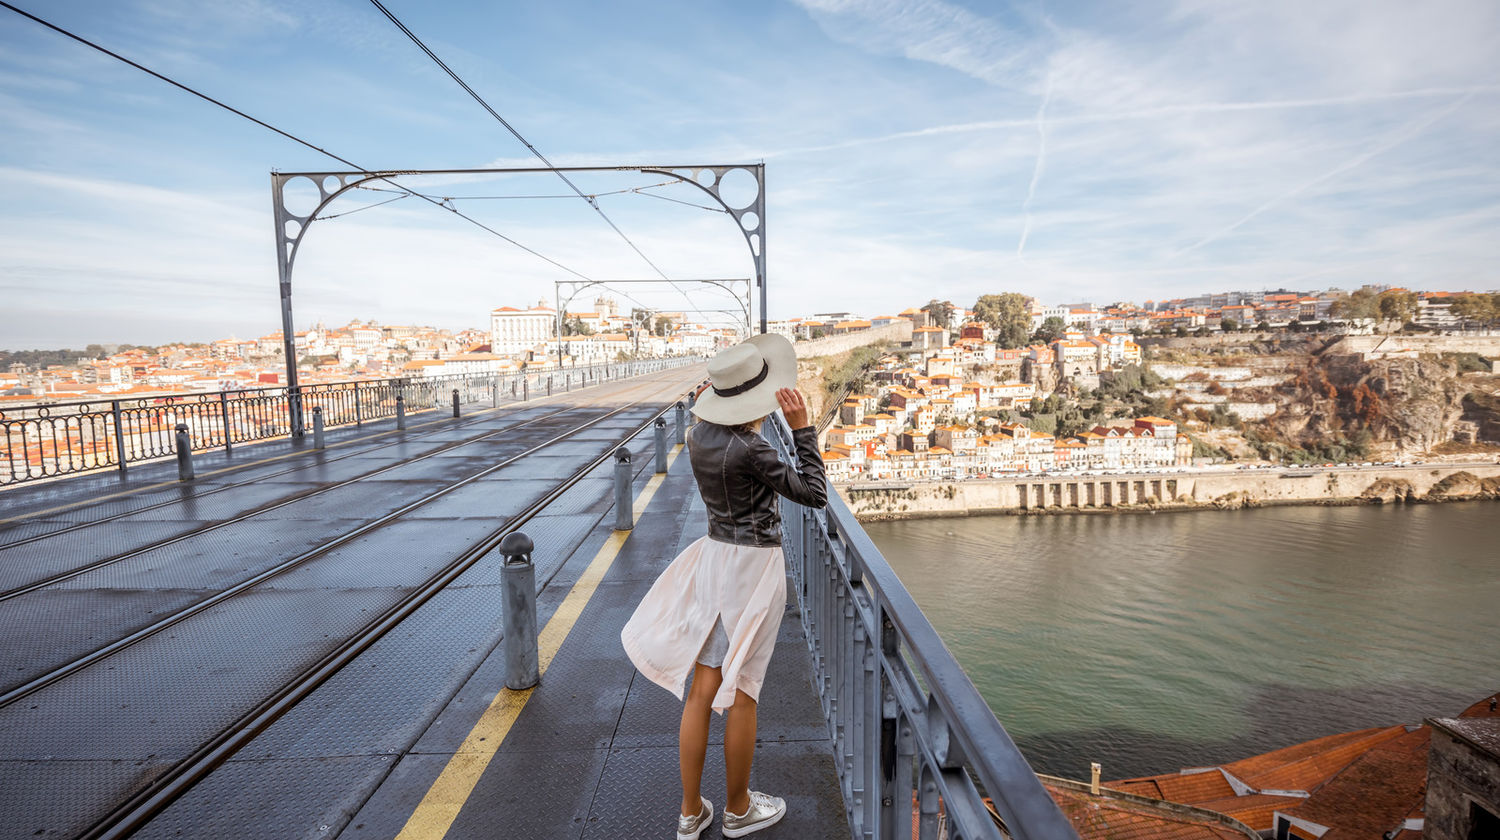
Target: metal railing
x,y
46,440
918,750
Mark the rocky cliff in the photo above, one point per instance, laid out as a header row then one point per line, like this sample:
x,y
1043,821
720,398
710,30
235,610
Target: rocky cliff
x,y
1402,405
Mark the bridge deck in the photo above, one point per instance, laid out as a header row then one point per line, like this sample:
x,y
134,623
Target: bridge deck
x,y
415,736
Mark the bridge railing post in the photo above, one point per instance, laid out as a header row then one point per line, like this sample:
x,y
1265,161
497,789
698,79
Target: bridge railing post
x,y
624,514
518,612
120,454
681,423
224,419
400,411
455,402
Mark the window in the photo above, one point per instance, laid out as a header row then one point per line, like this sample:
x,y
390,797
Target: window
x,y
1483,825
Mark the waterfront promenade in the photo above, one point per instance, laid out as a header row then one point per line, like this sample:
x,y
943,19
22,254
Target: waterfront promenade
x,y
1179,489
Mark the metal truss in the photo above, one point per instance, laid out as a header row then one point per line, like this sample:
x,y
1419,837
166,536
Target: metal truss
x,y
292,227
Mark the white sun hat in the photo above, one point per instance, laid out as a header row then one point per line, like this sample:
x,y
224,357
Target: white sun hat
x,y
745,379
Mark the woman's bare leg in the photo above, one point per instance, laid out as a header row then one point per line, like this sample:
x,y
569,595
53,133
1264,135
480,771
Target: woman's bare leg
x,y
739,750
692,734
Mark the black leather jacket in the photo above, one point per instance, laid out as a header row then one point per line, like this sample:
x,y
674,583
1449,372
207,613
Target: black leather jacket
x,y
739,475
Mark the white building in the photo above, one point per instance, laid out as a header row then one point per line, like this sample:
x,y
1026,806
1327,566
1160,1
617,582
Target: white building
x,y
515,331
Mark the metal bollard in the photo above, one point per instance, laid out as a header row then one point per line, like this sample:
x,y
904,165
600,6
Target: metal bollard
x,y
455,402
518,612
549,384
661,444
525,389
624,514
184,454
317,427
681,422
495,392
400,412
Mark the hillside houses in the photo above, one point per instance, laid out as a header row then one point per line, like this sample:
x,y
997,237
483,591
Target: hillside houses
x,y
942,420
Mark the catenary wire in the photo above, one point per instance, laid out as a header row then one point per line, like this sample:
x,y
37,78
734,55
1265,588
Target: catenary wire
x,y
205,97
592,202
358,209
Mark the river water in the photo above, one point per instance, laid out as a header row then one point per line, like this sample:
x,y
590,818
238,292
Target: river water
x,y
1154,642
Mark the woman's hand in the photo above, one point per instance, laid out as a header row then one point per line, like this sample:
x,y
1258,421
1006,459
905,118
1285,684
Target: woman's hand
x,y
793,406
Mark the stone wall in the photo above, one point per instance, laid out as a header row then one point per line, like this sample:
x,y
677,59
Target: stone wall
x,y
1461,773
1218,489
1168,370
832,345
1375,346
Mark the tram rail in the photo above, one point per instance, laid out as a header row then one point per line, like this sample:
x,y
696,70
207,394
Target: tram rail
x,y
123,819
98,654
177,780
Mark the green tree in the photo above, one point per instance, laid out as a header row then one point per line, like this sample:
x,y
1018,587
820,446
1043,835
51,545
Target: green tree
x,y
576,326
663,326
940,311
1477,309
1009,314
1229,325
1051,330
1397,305
1362,304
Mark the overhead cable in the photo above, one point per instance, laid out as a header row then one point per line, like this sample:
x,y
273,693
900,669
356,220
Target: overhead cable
x,y
592,202
86,42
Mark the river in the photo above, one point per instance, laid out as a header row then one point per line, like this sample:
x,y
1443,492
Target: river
x,y
1154,642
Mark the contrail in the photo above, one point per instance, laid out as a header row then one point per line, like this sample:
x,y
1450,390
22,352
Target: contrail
x,y
1143,114
1041,164
1394,139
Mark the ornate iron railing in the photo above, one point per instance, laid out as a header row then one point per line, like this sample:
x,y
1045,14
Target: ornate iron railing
x,y
918,750
44,440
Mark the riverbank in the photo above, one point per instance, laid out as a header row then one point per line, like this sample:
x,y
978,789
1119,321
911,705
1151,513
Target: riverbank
x,y
1158,492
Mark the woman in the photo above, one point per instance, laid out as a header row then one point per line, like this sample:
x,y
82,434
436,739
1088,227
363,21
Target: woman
x,y
716,610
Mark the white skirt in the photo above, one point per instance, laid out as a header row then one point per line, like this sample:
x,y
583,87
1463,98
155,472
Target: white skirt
x,y
710,581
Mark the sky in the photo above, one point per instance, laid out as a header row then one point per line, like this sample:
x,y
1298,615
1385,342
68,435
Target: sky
x,y
1075,151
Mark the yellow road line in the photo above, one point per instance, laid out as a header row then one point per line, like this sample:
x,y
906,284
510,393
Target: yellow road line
x,y
438,809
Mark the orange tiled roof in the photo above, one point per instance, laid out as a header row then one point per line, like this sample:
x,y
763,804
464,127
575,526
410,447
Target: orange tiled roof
x,y
1100,817
1307,765
1257,810
1374,792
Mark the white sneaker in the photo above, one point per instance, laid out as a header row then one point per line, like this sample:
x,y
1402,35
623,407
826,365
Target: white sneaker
x,y
688,828
765,811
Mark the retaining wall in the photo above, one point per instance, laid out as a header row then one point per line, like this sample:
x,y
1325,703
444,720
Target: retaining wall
x,y
832,345
893,500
